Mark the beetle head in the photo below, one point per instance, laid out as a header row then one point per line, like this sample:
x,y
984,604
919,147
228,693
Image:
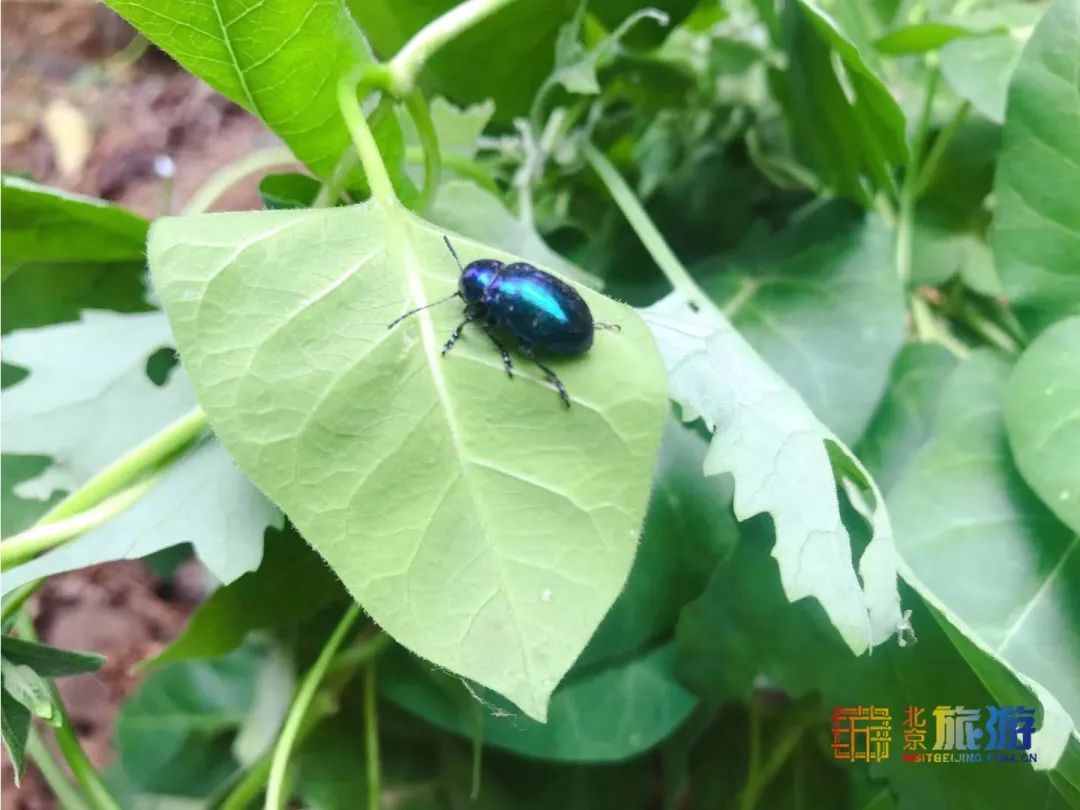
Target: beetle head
x,y
476,277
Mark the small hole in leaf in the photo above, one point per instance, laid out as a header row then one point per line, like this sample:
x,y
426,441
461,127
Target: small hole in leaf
x,y
160,364
694,306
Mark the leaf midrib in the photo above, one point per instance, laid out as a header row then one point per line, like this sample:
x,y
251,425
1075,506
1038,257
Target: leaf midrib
x,y
400,243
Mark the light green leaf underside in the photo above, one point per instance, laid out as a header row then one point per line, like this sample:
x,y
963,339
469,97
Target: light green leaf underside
x,y
979,69
484,526
278,59
79,372
826,312
962,499
202,499
779,454
1042,415
1036,237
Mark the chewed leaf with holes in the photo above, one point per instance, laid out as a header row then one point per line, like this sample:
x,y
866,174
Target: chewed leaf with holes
x,y
482,524
786,463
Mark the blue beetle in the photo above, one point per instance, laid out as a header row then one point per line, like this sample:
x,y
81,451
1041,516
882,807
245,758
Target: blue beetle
x,y
538,310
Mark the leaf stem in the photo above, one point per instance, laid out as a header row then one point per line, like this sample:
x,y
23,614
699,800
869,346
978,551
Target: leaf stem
x,y
121,473
43,536
67,741
275,791
371,734
937,151
647,232
66,794
248,789
226,177
988,330
750,793
357,82
130,466
410,60
429,140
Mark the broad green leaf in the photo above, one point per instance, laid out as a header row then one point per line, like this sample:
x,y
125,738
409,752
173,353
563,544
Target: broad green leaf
x,y
1042,415
174,734
1036,239
291,583
45,224
606,714
288,190
201,499
30,689
15,722
920,37
742,632
902,421
62,253
845,121
277,59
689,528
81,372
480,523
962,500
49,661
822,305
786,463
464,207
519,39
979,69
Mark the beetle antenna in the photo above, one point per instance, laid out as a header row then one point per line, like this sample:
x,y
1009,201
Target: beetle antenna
x,y
611,327
426,306
453,252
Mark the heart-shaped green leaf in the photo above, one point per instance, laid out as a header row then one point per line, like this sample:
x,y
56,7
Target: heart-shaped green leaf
x,y
483,525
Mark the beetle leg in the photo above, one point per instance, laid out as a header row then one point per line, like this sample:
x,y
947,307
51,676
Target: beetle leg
x,y
553,378
502,349
469,317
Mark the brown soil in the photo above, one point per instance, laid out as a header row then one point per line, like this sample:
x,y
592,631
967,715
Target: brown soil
x,y
132,111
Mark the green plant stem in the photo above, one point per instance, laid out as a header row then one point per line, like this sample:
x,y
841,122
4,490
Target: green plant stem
x,y
67,741
462,165
648,233
226,177
130,466
275,798
988,330
752,790
429,141
930,165
244,793
66,794
929,328
410,60
247,789
370,158
120,474
359,653
778,755
21,547
371,734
